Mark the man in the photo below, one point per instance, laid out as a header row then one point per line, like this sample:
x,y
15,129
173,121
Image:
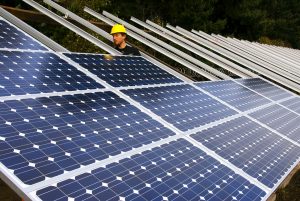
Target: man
x,y
118,32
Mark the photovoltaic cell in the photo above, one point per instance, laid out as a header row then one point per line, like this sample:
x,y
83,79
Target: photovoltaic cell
x,y
123,70
293,104
11,37
280,119
174,171
183,105
265,88
45,137
251,147
234,94
39,72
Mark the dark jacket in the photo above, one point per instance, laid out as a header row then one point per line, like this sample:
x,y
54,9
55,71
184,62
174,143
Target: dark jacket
x,y
129,51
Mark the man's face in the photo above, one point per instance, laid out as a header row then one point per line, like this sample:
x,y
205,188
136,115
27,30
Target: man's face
x,y
119,38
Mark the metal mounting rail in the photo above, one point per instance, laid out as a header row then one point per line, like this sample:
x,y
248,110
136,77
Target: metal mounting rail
x,y
168,47
251,56
215,46
208,52
72,27
155,47
190,47
280,57
108,36
255,54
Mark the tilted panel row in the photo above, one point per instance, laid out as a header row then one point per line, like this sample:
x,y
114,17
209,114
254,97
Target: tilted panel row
x,y
13,38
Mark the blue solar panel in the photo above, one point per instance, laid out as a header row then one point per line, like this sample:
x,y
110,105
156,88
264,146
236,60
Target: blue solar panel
x,y
39,72
11,37
183,106
234,94
123,70
44,137
174,171
293,104
282,120
265,88
259,152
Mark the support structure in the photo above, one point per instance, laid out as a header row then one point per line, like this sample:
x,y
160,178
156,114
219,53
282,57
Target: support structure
x,y
107,35
251,65
190,47
74,28
156,47
170,48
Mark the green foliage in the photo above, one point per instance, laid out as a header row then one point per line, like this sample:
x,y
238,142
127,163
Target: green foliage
x,y
243,17
77,6
283,21
278,20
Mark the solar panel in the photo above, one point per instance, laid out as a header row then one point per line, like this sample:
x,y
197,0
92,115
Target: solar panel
x,y
123,70
175,171
234,94
13,38
281,119
183,105
293,104
251,147
39,72
102,146
265,88
45,137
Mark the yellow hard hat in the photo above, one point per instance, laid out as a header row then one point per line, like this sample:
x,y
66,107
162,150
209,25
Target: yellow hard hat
x,y
118,28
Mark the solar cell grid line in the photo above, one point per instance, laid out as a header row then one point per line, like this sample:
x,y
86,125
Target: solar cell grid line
x,y
293,104
265,88
256,150
174,171
123,70
46,137
280,119
234,94
12,37
183,106
39,72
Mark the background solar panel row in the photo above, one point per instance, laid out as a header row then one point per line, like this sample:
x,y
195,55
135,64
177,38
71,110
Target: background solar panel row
x,y
174,171
265,88
123,70
183,106
293,104
281,119
39,72
12,38
234,94
45,137
251,147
